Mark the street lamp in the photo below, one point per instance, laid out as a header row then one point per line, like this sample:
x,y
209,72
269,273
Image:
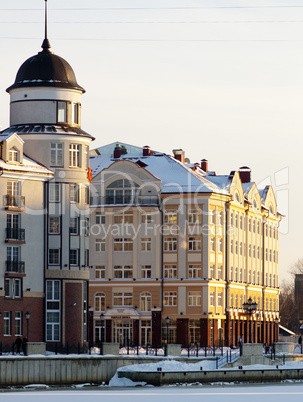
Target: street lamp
x,y
167,322
250,308
27,316
102,333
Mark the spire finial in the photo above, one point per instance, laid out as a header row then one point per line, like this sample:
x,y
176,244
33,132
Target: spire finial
x,y
45,44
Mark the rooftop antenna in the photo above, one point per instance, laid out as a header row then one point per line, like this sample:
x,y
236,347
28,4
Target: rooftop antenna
x,y
45,45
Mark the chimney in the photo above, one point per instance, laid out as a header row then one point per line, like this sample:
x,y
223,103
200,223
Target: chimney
x,y
245,174
146,150
117,151
204,165
179,154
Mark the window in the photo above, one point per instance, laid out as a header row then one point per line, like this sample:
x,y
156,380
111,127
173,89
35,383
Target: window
x,y
86,257
212,271
241,275
212,299
7,323
146,271
123,219
13,155
76,107
266,254
254,251
123,299
231,246
194,216
54,256
258,227
74,226
87,194
100,245
270,255
74,155
269,231
258,252
74,192
236,247
236,220
123,271
194,298
236,300
86,226
13,288
56,155
18,323
170,271
99,301
274,256
62,112
220,218
241,248
194,271
123,244
212,216
232,219
170,298
231,273
146,244
54,225
100,218
121,191
249,225
74,257
212,244
236,274
220,298
220,245
249,250
53,310
170,244
231,300
194,244
241,222
100,272
170,217
219,272
249,276
147,218
54,192
145,301
254,226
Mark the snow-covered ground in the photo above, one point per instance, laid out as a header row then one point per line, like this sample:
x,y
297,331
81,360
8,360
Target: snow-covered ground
x,y
226,393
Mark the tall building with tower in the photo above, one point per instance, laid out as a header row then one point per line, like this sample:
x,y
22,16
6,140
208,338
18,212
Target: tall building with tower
x,y
45,205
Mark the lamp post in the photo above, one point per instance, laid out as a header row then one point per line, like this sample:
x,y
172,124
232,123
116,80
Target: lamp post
x,y
27,316
167,322
250,307
102,333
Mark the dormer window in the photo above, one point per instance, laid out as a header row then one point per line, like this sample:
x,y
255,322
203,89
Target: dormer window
x,y
236,197
13,155
62,112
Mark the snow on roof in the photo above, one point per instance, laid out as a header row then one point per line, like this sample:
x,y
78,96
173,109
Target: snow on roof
x,y
28,165
222,181
247,187
175,176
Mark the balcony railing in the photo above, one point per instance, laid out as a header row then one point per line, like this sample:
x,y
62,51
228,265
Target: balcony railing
x,y
14,201
17,267
15,234
125,200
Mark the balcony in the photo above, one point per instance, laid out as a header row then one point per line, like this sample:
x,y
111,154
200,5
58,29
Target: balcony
x,y
16,202
125,200
16,267
15,235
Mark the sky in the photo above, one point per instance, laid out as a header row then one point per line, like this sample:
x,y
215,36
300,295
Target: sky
x,y
220,79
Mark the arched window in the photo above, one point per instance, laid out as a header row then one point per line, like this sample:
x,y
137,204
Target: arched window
x,y
145,301
271,210
255,205
236,197
122,191
99,300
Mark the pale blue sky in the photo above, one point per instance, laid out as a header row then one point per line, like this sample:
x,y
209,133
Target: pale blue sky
x,y
199,75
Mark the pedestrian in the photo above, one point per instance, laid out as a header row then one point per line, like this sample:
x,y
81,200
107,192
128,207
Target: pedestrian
x,y
18,343
24,342
241,344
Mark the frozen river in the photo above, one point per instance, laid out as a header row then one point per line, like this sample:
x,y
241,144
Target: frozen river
x,y
260,393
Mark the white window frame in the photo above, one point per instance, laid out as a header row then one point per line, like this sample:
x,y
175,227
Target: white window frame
x,y
123,272
18,323
54,192
74,255
53,225
146,271
122,299
100,245
7,323
170,299
170,217
194,243
99,302
170,244
13,155
100,218
145,301
56,154
123,244
75,155
51,251
194,216
53,319
13,288
170,271
100,272
194,298
194,271
212,299
146,244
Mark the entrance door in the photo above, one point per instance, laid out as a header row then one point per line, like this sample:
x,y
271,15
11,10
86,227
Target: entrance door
x,y
122,332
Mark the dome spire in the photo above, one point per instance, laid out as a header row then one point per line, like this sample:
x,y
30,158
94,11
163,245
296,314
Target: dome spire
x,y
45,45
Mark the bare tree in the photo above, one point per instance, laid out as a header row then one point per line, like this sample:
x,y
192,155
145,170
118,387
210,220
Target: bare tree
x,y
288,307
296,268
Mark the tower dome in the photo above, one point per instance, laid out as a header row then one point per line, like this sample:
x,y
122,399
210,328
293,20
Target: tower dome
x,y
46,69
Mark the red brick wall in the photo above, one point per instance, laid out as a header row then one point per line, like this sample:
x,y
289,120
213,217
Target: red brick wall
x,y
73,301
33,305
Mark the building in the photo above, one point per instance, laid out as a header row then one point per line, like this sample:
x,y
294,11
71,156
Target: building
x,y
171,240
45,205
